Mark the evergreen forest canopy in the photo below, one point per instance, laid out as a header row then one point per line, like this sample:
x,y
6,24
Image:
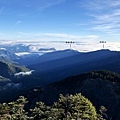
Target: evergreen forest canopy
x,y
70,107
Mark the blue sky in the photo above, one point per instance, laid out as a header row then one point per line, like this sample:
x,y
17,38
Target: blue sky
x,y
54,20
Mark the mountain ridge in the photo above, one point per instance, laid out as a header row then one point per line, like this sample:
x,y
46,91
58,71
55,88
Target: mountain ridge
x,y
102,88
63,68
8,69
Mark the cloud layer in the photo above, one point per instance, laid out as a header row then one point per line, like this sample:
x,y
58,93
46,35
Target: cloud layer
x,y
105,15
55,37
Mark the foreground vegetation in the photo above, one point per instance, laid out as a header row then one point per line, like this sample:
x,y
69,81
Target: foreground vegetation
x,y
69,107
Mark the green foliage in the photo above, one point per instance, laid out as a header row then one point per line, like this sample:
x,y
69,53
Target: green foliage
x,y
17,109
76,107
105,75
41,111
70,107
4,111
13,110
103,111
77,80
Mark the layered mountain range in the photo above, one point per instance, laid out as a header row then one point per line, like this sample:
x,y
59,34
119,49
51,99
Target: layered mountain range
x,y
42,77
58,69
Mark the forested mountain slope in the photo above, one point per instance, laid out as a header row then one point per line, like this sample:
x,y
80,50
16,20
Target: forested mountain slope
x,y
9,69
101,87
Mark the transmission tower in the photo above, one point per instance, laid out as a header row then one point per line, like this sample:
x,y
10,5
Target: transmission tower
x,y
103,42
70,42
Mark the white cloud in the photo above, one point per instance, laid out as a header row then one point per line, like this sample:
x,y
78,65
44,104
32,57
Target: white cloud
x,y
100,4
43,4
24,73
18,22
47,3
51,3
105,15
56,37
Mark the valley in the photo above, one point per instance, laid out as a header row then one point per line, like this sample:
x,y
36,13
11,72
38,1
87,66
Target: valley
x,y
45,74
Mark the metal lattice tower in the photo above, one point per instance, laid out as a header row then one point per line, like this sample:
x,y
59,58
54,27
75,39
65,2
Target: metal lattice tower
x,y
103,42
70,42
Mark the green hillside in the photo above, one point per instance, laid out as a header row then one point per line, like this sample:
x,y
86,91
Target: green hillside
x,y
8,69
102,88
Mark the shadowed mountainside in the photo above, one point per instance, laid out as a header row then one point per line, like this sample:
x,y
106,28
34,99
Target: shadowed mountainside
x,y
101,87
8,70
82,62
